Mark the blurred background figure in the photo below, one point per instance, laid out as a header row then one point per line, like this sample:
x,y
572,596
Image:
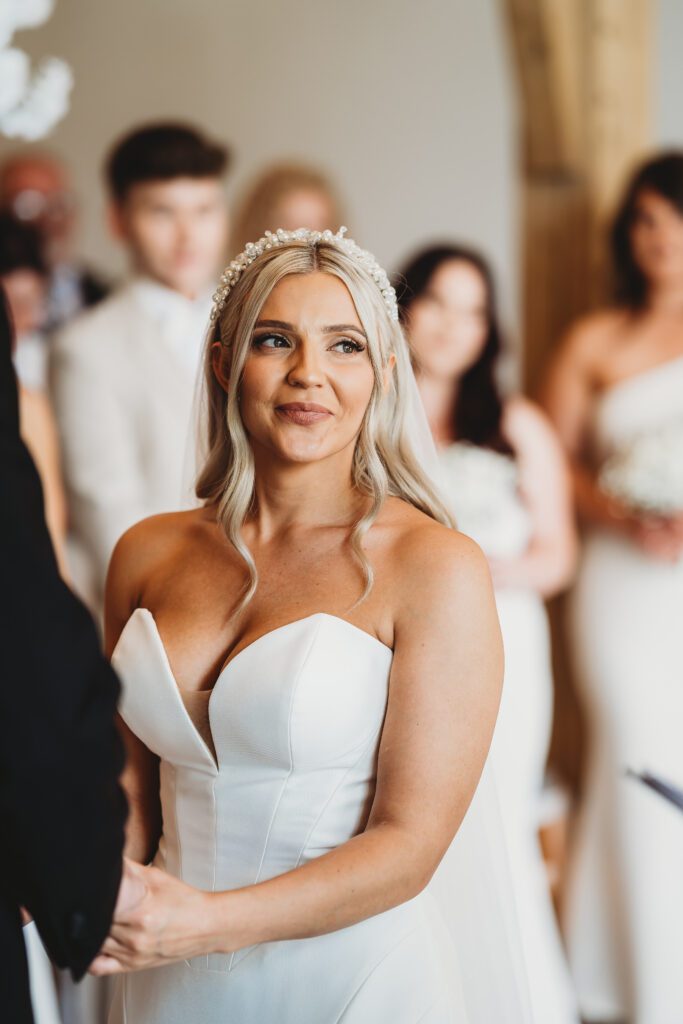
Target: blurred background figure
x,y
289,196
124,372
24,278
505,477
36,189
615,392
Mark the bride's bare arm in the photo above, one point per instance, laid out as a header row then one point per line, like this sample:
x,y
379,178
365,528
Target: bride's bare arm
x,y
443,698
140,777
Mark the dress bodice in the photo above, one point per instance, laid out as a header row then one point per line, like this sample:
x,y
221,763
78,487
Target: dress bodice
x,y
638,405
481,488
295,720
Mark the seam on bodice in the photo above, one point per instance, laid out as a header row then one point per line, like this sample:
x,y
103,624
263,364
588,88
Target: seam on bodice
x,y
333,792
285,781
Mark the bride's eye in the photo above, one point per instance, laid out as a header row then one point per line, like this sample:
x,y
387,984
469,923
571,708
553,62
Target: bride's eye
x,y
348,346
270,341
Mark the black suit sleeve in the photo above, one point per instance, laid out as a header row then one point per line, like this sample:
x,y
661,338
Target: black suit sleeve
x,y
61,807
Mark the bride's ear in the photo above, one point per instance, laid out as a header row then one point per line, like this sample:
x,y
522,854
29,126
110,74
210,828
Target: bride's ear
x,y
219,366
389,372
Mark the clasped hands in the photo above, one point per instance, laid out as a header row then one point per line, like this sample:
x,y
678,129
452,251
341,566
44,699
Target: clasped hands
x,y
157,920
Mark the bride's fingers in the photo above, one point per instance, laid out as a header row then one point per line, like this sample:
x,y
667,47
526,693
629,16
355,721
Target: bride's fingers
x,y
103,965
125,935
113,947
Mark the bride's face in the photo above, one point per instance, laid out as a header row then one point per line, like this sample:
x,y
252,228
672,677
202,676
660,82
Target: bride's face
x,y
308,379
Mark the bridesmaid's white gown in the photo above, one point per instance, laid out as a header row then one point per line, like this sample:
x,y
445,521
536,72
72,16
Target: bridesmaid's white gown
x,y
295,719
625,906
481,487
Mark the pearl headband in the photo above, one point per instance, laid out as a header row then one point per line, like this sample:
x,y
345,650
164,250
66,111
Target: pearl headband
x,y
274,239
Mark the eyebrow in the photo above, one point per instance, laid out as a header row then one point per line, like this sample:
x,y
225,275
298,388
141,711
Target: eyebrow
x,y
331,329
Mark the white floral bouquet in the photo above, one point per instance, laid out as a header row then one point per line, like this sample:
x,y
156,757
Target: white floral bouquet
x,y
647,475
31,102
478,483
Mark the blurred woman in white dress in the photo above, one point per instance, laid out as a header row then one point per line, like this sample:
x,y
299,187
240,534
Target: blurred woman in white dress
x,y
616,395
505,477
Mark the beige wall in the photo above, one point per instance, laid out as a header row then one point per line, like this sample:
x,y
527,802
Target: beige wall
x,y
668,85
408,104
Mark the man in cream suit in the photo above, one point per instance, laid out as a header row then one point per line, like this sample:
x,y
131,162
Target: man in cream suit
x,y
123,374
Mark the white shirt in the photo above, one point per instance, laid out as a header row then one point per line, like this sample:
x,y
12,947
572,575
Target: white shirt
x,y
182,322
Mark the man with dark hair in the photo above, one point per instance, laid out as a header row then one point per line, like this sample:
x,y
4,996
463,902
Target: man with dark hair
x,y
162,152
123,374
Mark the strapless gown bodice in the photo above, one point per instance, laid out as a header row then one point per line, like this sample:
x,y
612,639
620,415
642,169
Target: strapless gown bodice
x,y
295,720
638,405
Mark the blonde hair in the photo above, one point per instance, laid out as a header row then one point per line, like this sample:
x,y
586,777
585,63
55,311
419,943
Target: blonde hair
x,y
257,209
384,462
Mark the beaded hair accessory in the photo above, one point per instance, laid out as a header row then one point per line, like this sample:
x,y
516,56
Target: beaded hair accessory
x,y
274,239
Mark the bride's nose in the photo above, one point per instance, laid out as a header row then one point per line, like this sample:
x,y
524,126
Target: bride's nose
x,y
305,370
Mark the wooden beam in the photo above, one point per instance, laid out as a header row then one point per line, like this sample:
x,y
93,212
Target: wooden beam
x,y
583,68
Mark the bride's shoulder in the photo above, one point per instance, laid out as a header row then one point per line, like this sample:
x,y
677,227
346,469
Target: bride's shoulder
x,y
427,560
149,544
152,537
147,552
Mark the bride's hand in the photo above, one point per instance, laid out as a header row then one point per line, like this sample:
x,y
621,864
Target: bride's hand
x,y
166,923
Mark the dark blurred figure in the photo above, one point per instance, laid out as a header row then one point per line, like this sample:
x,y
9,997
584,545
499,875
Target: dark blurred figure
x,y
505,478
289,196
23,275
35,188
124,373
25,278
615,392
61,807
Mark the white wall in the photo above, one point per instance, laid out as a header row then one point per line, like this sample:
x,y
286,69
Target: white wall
x,y
668,83
409,105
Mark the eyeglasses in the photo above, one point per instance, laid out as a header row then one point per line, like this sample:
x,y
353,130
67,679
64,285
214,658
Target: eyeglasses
x,y
32,205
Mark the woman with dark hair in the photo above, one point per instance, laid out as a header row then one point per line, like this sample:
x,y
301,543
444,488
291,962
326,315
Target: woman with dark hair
x,y
615,392
504,475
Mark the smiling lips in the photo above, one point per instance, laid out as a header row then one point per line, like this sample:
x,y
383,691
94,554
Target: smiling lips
x,y
303,413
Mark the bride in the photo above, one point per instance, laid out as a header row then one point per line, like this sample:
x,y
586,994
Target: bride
x,y
312,669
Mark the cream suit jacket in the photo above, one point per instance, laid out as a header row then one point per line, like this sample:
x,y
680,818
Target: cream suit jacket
x,y
123,398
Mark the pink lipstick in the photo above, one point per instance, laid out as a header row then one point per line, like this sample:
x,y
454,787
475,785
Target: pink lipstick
x,y
303,413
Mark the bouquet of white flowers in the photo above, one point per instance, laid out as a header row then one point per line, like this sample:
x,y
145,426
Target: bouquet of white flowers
x,y
31,103
647,475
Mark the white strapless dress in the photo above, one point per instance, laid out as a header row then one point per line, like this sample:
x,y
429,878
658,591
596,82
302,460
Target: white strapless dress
x,y
625,900
296,719
481,487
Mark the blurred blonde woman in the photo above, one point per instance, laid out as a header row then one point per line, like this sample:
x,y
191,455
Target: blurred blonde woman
x,y
286,195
